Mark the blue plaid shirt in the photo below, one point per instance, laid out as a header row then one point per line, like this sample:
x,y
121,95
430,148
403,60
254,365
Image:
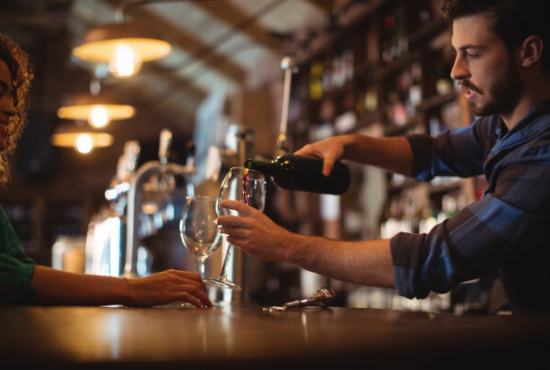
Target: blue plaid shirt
x,y
507,230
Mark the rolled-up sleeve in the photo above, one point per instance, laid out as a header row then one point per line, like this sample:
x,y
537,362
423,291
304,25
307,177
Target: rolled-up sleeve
x,y
507,221
458,152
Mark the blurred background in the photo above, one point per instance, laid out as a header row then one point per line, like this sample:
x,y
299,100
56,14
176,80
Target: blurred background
x,y
223,52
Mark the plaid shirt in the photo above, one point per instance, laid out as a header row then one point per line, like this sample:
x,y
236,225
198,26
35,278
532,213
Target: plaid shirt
x,y
507,230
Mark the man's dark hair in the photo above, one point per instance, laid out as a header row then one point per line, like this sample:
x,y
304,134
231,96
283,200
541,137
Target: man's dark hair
x,y
512,20
21,75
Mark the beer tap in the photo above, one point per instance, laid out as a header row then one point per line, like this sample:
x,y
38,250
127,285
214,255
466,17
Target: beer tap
x,y
283,143
135,196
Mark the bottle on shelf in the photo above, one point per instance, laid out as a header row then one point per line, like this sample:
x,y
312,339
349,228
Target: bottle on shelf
x,y
316,81
371,95
300,173
394,39
327,72
387,34
348,64
338,78
415,89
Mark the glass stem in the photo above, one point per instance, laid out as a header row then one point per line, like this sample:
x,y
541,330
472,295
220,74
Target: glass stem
x,y
228,254
201,268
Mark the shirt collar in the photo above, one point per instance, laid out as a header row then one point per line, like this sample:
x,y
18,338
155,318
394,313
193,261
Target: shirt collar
x,y
536,121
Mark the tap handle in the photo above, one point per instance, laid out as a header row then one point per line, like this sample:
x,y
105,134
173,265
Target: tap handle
x,y
289,66
190,153
131,155
121,168
165,145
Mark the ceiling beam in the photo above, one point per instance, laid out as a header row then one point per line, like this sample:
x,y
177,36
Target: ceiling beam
x,y
325,5
183,84
146,100
186,41
19,19
234,15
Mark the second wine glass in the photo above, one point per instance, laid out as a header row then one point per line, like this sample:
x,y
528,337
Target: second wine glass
x,y
198,229
243,185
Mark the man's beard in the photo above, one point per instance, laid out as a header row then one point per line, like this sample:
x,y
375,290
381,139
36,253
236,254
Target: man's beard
x,y
503,94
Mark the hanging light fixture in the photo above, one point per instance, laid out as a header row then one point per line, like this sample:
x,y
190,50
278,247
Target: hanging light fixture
x,y
124,46
97,110
82,140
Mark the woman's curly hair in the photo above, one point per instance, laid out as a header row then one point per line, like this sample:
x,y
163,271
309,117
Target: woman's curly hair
x,y
21,74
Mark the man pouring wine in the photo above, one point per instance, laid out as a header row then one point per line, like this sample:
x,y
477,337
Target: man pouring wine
x,y
503,67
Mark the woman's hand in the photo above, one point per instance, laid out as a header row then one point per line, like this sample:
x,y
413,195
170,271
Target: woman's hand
x,y
168,286
67,288
254,232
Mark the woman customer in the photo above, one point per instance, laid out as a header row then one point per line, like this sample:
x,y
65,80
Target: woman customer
x,y
21,280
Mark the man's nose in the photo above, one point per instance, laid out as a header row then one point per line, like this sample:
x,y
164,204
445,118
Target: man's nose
x,y
459,71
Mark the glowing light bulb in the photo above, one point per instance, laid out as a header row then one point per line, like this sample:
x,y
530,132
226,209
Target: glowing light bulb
x,y
126,62
84,144
98,117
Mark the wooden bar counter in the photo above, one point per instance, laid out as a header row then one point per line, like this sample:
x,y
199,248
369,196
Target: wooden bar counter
x,y
241,338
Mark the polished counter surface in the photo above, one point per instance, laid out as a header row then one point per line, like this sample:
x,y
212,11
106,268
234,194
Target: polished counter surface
x,y
226,338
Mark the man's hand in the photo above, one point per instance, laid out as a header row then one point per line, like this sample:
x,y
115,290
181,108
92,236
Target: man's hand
x,y
367,262
254,232
330,150
168,286
393,154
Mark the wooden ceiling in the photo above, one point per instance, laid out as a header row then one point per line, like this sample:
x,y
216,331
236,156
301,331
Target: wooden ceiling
x,y
216,44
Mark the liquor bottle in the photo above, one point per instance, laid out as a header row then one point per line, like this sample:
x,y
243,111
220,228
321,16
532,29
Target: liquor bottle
x,y
316,81
295,172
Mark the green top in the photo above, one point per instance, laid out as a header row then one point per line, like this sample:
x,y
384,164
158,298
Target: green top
x,y
16,269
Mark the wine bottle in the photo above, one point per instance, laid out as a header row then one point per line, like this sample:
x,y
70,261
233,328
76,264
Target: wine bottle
x,y
295,172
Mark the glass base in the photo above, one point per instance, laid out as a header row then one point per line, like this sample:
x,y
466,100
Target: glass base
x,y
176,305
221,282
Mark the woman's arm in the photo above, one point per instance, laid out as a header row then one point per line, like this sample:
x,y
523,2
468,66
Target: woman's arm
x,y
64,288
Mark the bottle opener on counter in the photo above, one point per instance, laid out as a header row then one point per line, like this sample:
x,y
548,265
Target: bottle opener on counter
x,y
322,298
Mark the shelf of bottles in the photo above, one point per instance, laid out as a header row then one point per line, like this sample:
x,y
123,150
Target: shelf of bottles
x,y
388,68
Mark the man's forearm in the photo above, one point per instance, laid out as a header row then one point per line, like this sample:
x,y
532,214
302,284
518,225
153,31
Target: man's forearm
x,y
365,262
393,154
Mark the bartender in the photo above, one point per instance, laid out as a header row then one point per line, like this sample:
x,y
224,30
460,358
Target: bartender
x,y
503,67
21,281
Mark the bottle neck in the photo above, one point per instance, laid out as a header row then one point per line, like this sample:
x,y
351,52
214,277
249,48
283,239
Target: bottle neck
x,y
267,168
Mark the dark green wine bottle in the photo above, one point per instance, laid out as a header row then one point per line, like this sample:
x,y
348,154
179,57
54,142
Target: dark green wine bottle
x,y
295,172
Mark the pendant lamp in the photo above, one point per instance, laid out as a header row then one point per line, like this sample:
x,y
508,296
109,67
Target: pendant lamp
x,y
124,46
97,110
82,140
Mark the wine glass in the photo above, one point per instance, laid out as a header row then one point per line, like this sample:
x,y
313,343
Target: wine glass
x,y
198,230
247,186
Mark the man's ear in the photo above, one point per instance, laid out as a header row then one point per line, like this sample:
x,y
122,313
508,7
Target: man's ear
x,y
531,51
